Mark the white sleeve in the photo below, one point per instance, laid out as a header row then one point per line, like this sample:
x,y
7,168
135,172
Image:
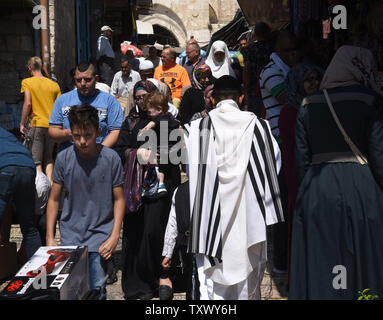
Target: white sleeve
x,y
277,150
100,47
114,86
43,189
171,232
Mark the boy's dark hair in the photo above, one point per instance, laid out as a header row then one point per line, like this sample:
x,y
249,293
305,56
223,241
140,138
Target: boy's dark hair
x,y
157,100
83,116
84,66
226,88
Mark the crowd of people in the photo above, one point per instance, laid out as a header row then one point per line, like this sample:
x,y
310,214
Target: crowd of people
x,y
194,157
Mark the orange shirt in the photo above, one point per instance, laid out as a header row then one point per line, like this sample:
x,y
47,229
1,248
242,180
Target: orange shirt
x,y
175,77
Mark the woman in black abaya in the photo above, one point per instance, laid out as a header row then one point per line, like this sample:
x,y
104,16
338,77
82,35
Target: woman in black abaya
x,y
143,231
337,230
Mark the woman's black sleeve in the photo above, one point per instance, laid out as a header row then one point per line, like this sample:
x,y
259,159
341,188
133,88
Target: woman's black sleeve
x,y
186,107
303,153
125,139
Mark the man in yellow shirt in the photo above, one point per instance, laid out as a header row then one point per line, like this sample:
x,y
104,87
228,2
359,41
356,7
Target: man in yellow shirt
x,y
172,74
40,94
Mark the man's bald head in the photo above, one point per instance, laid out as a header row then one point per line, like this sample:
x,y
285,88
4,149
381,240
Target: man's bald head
x,y
168,57
192,41
193,46
193,52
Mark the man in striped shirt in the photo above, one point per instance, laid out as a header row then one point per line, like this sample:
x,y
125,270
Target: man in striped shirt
x,y
272,84
272,78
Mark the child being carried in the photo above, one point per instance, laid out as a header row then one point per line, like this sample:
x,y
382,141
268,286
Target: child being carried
x,y
162,123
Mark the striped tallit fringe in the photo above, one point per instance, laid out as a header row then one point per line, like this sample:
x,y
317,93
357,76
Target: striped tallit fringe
x,y
206,236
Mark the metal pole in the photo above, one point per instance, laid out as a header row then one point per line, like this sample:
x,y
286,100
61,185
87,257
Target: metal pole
x,y
45,52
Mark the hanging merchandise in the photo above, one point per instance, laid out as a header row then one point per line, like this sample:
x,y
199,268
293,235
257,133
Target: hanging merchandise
x,y
303,11
333,3
326,28
286,5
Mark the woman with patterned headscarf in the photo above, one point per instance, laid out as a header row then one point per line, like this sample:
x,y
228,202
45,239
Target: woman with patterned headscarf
x,y
196,98
144,229
338,223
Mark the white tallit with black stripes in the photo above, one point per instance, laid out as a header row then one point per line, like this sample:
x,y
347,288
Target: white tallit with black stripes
x,y
234,193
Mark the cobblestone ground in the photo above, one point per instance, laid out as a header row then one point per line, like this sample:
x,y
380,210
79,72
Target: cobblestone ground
x,y
273,286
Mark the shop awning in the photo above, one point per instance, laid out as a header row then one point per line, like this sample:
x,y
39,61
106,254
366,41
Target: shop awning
x,y
269,11
144,27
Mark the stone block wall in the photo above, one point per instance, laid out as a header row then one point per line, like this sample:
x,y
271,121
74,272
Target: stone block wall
x,y
191,18
16,47
224,9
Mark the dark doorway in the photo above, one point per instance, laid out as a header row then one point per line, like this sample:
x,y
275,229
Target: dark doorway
x,y
164,36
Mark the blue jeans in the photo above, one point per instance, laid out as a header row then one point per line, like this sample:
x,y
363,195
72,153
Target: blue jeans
x,y
17,184
97,272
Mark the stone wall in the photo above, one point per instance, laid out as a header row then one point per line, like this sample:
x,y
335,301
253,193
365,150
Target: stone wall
x,y
16,47
191,18
224,9
20,42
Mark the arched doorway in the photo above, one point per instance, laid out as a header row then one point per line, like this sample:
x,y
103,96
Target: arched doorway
x,y
169,22
164,36
213,18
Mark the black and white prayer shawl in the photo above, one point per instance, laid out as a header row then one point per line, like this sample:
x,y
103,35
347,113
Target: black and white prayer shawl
x,y
230,210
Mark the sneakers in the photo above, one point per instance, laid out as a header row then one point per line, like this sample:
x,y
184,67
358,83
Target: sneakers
x,y
162,189
161,192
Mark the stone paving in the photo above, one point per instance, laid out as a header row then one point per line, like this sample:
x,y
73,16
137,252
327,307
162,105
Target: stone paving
x,y
273,286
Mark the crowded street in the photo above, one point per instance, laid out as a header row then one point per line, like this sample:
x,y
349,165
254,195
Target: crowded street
x,y
225,150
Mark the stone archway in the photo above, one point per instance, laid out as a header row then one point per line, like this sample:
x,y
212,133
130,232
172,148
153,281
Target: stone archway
x,y
213,18
164,36
167,19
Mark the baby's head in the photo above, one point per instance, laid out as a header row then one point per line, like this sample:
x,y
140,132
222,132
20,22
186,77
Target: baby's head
x,y
156,104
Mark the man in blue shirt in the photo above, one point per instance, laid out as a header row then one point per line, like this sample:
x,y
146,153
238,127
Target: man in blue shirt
x,y
109,110
17,184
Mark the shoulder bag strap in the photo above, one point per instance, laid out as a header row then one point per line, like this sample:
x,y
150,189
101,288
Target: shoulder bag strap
x,y
359,155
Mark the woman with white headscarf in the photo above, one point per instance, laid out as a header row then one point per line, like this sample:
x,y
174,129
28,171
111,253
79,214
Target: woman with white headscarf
x,y
338,222
219,60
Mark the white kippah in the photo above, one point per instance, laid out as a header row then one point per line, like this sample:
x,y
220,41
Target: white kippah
x,y
146,65
155,82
